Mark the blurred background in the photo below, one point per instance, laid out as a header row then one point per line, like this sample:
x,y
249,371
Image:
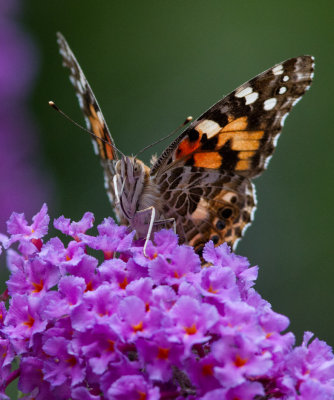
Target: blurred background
x,y
151,64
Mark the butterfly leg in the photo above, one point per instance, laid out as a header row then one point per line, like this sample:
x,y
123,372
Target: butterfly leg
x,y
150,227
115,189
163,221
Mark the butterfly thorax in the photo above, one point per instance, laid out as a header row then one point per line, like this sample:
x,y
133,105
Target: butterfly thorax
x,y
135,192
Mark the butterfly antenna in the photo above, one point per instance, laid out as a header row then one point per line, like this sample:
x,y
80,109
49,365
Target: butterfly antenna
x,y
55,107
184,123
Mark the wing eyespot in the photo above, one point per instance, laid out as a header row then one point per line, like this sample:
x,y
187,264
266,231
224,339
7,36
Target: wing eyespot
x,y
225,212
215,239
220,225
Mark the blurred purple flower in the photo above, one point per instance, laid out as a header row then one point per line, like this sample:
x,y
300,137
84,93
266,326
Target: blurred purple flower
x,y
23,185
144,328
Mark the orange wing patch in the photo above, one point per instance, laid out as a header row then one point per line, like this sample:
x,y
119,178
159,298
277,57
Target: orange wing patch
x,y
98,128
187,146
244,142
208,160
205,144
239,124
243,165
241,140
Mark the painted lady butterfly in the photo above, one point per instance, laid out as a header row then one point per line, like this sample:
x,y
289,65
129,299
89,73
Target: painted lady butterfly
x,y
202,181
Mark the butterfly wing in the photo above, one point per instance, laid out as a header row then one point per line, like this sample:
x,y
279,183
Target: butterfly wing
x,y
232,141
94,118
240,132
207,204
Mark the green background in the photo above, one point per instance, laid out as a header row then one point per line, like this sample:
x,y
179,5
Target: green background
x,y
151,64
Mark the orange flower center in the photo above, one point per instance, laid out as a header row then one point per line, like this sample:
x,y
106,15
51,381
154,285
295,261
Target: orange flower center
x,y
240,362
123,284
163,353
72,361
38,286
191,330
142,396
138,327
30,321
211,290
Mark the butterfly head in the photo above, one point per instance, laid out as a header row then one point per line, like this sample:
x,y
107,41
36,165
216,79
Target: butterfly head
x,y
129,184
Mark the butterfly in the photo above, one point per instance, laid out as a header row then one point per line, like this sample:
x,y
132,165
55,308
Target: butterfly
x,y
202,182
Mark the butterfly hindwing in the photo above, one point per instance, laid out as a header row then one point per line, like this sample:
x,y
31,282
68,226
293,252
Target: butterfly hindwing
x,y
206,204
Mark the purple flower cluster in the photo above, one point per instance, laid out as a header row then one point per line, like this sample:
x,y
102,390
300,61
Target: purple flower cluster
x,y
137,328
20,172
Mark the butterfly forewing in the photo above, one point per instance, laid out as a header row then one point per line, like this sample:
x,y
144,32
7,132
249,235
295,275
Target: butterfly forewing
x,y
94,118
239,133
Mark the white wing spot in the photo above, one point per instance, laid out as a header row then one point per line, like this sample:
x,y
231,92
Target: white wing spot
x,y
283,119
209,127
235,244
250,98
282,90
255,201
296,101
87,122
250,192
99,114
80,87
244,92
285,78
106,182
111,199
278,70
96,150
276,139
301,76
269,104
81,103
267,161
